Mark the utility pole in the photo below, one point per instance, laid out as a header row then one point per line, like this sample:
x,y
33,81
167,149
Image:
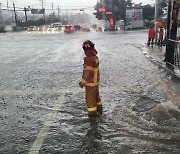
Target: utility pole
x,y
52,8
7,5
58,13
67,16
1,16
42,4
15,15
156,18
172,19
25,12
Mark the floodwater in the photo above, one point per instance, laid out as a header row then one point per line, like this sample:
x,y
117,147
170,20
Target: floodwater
x,y
42,109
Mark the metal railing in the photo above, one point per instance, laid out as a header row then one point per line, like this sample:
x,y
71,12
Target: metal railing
x,y
176,53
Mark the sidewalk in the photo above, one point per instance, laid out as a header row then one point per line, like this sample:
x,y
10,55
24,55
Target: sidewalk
x,y
157,55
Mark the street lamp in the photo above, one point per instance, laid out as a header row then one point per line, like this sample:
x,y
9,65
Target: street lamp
x,y
156,18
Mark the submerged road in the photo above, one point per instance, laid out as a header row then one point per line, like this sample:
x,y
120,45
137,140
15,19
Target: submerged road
x,y
42,109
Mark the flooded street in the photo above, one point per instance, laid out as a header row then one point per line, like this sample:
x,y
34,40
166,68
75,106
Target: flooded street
x,y
43,110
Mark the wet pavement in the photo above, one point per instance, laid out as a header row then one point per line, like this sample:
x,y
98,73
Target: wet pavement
x,y
157,55
42,109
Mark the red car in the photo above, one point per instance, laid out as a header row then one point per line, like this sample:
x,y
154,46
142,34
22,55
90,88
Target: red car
x,y
99,29
86,29
69,29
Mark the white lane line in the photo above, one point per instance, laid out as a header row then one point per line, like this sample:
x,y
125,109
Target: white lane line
x,y
46,91
46,126
73,90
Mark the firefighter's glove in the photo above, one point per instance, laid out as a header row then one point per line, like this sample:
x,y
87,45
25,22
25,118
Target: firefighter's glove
x,y
81,84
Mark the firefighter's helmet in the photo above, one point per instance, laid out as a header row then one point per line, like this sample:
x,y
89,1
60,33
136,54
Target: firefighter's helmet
x,y
88,45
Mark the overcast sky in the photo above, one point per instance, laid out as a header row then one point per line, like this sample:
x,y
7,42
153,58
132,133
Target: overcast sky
x,y
48,3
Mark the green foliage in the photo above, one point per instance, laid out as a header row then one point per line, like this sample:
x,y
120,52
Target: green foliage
x,y
117,7
1,29
31,23
148,12
99,15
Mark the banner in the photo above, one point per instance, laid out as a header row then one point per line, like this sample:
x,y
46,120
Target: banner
x,y
133,14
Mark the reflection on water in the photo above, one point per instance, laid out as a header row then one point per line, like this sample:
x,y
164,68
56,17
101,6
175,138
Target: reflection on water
x,y
91,142
141,108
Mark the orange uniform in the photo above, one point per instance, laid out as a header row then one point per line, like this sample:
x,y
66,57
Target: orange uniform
x,y
151,34
90,79
160,39
161,34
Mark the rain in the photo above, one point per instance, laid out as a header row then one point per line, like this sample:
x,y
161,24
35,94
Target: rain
x,y
43,110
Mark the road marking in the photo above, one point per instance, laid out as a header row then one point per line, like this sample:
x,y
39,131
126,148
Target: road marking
x,y
51,116
46,126
67,90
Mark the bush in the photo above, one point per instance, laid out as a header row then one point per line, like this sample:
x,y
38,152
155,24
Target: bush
x,y
1,29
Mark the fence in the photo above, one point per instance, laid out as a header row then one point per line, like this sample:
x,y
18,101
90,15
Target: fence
x,y
176,54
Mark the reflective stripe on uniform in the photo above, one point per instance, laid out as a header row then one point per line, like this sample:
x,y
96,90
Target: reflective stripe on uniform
x,y
92,109
83,81
90,68
99,103
92,84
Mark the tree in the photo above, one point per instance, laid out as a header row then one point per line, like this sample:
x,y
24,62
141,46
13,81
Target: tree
x,y
148,12
123,4
115,9
98,13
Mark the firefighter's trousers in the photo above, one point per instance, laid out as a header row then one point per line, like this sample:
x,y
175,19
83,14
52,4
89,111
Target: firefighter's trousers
x,y
93,100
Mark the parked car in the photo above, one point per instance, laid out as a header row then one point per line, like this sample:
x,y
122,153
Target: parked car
x,y
69,29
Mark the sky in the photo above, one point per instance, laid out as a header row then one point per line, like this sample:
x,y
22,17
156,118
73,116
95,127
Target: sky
x,y
61,3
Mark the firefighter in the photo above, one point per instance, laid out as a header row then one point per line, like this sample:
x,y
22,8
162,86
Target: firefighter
x,y
90,79
151,36
160,39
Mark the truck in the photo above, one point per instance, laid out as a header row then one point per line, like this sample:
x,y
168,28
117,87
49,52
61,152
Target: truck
x,y
135,24
134,18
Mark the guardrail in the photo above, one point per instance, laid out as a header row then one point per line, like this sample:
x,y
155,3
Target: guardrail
x,y
176,53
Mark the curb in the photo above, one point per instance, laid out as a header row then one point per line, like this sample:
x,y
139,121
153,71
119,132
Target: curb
x,y
158,61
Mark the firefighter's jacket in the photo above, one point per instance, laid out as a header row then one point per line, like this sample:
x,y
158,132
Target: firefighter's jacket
x,y
151,34
90,75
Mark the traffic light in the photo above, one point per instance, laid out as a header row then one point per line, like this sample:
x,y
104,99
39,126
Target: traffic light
x,y
98,15
99,11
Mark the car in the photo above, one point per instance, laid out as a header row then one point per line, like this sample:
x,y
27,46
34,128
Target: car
x,y
94,26
77,27
99,29
32,28
106,29
86,29
69,29
110,28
